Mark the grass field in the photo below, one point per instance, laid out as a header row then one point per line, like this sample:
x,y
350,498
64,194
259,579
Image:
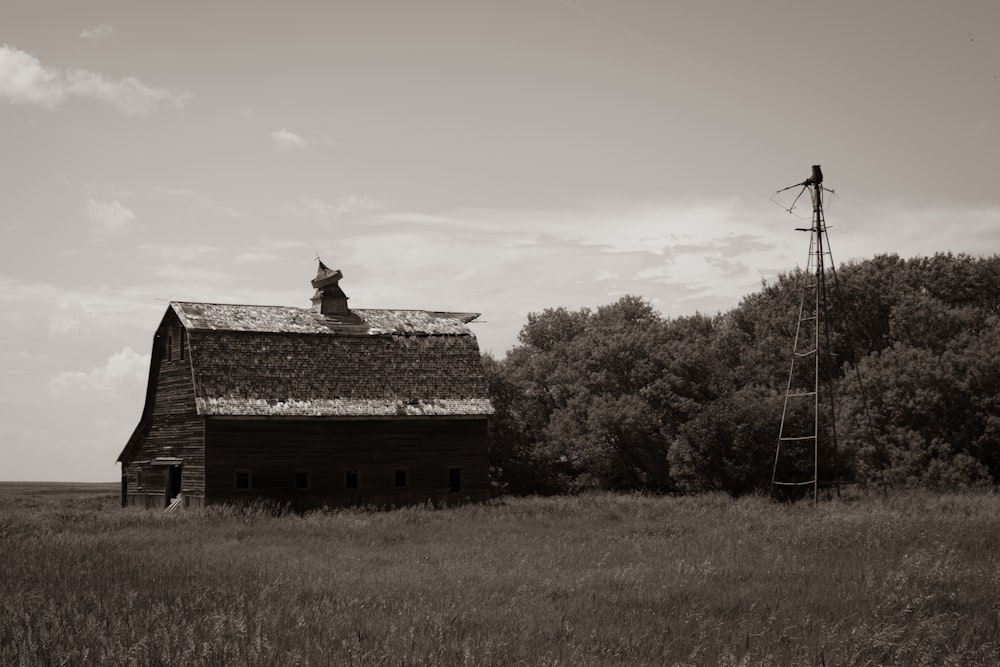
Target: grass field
x,y
590,580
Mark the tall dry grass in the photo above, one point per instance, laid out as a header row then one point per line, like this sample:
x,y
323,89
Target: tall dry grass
x,y
589,580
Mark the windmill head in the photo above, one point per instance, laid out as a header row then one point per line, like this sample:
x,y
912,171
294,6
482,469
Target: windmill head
x,y
816,178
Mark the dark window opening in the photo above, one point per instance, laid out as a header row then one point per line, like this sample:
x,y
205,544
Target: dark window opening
x,y
170,346
454,479
351,479
301,480
400,478
243,480
180,342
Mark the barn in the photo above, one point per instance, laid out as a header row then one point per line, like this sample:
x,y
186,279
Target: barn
x,y
321,406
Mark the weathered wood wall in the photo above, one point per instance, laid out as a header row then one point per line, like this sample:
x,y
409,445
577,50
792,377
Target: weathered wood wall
x,y
273,450
175,430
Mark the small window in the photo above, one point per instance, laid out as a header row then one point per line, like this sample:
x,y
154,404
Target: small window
x,y
170,346
400,476
351,479
301,480
180,341
454,479
243,479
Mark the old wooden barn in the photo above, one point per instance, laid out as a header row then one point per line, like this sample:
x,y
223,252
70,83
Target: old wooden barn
x,y
311,407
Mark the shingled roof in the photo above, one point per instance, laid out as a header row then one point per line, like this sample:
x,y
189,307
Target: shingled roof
x,y
274,361
285,319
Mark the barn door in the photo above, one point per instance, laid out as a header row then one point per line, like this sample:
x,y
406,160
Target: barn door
x,y
173,482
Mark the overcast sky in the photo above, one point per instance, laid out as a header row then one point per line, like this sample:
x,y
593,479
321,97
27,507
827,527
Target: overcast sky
x,y
498,156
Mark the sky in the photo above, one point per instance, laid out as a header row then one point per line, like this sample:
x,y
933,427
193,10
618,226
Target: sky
x,y
494,156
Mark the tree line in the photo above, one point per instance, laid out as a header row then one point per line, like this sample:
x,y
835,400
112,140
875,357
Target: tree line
x,y
623,398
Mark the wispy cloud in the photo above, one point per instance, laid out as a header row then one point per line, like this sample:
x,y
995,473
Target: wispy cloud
x,y
24,79
284,139
106,191
123,372
174,192
187,194
195,271
65,311
909,231
99,32
189,252
683,257
323,211
129,95
255,257
109,217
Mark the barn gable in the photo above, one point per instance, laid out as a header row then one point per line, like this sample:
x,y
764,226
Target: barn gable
x,y
170,429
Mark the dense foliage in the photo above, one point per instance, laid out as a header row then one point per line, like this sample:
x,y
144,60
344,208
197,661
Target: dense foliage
x,y
623,398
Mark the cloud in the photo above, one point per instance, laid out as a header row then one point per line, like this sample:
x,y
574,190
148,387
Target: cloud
x,y
23,79
284,139
100,32
106,191
109,217
225,273
255,257
263,250
187,194
130,95
189,252
681,256
121,374
67,312
896,228
283,252
324,211
174,192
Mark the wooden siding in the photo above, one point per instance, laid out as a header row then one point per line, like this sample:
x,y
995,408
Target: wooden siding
x,y
173,430
274,450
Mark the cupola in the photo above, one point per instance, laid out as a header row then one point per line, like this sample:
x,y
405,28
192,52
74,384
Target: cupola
x,y
329,299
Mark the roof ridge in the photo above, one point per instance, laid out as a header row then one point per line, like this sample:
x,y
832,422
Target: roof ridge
x,y
205,316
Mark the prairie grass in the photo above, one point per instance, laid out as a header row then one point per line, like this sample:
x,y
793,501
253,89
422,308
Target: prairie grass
x,y
586,580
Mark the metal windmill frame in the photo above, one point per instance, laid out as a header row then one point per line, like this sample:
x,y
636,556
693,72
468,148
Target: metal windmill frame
x,y
812,353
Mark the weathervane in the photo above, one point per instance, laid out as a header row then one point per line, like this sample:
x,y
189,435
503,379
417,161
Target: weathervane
x,y
322,266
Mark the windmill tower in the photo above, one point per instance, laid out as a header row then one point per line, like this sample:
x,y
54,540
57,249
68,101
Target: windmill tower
x,y
808,413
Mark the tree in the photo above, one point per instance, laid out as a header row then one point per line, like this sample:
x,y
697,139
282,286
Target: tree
x,y
513,430
621,398
592,399
928,426
729,445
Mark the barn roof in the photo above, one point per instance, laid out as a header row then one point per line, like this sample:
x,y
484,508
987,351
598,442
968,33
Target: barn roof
x,y
286,319
274,361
